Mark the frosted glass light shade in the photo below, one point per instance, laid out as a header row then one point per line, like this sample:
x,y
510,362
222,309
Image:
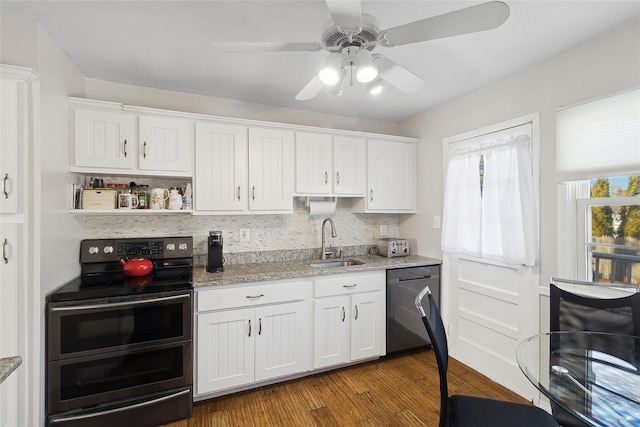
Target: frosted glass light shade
x,y
330,73
366,71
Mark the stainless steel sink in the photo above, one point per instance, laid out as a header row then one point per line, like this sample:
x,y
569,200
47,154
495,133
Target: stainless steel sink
x,y
333,264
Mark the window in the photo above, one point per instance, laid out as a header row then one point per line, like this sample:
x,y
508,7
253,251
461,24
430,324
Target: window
x,y
598,169
610,243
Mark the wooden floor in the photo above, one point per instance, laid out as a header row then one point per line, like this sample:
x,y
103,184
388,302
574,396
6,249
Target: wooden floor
x,y
394,391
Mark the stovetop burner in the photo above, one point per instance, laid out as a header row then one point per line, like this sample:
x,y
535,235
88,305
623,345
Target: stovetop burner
x,y
102,275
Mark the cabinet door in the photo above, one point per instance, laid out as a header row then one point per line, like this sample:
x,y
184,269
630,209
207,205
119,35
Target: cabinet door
x,y
166,144
366,325
281,344
349,165
220,182
331,331
314,164
13,138
225,350
10,332
270,169
391,176
105,139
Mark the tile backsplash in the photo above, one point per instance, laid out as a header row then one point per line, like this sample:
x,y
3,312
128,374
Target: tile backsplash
x,y
266,232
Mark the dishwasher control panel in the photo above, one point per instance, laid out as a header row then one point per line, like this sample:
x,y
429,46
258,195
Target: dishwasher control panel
x,y
390,247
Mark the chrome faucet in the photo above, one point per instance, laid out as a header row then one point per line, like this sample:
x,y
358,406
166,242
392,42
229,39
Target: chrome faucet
x,y
323,254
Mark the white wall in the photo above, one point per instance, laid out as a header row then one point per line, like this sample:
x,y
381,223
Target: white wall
x,y
605,65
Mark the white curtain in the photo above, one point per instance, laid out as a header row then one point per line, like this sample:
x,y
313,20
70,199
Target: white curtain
x,y
490,209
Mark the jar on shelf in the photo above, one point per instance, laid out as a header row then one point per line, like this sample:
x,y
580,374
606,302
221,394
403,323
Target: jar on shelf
x,y
143,197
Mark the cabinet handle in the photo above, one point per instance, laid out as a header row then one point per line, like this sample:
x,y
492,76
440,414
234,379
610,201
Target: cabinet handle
x,y
260,326
343,314
371,195
326,177
5,182
254,296
238,193
144,150
253,192
356,312
337,178
125,148
5,244
350,286
249,327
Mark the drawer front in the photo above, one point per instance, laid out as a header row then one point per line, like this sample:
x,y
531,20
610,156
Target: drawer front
x,y
349,284
251,295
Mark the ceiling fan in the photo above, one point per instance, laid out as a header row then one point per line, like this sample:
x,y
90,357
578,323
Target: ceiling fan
x,y
351,36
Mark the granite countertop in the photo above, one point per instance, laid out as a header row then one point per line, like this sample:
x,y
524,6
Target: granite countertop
x,y
8,365
281,270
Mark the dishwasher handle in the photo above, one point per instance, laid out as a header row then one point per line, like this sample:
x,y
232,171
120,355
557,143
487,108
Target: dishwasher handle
x,y
413,279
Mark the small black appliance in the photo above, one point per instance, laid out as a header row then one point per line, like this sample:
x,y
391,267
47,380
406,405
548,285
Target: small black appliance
x,y
214,260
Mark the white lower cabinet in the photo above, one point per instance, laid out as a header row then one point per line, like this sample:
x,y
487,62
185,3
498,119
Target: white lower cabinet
x,y
251,333
348,318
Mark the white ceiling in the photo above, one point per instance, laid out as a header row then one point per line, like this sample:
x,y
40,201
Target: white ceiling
x,y
168,45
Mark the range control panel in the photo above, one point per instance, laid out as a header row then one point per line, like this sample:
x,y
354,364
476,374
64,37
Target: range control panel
x,y
111,250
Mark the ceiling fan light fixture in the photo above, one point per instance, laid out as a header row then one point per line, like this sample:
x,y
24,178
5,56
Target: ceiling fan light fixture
x,y
330,73
366,71
375,87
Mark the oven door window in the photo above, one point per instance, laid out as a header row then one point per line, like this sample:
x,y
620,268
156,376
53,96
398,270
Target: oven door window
x,y
95,328
93,380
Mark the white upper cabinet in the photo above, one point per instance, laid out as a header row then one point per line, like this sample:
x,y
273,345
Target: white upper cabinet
x,y
111,138
270,169
220,182
14,138
242,170
165,144
105,139
391,177
349,165
330,164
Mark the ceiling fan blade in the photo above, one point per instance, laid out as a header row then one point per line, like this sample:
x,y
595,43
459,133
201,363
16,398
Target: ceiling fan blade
x,y
485,16
311,89
346,14
397,75
267,47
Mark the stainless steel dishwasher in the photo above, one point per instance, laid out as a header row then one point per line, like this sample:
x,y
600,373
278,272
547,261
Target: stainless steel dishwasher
x,y
405,329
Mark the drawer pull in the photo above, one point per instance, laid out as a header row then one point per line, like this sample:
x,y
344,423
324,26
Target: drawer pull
x,y
249,327
355,317
260,326
254,296
350,286
343,314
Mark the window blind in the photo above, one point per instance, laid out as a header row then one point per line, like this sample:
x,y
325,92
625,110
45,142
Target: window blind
x,y
599,139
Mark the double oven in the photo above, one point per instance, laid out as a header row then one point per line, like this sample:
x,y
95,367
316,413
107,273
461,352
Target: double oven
x,y
119,349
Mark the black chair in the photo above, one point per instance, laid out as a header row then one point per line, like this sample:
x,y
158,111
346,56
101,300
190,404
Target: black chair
x,y
469,411
618,313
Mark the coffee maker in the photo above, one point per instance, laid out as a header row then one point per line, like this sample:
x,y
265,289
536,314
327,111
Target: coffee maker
x,y
214,260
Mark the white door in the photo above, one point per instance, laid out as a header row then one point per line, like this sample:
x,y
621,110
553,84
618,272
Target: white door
x,y
331,331
225,353
166,144
280,340
366,325
271,169
349,165
105,139
314,166
220,182
491,307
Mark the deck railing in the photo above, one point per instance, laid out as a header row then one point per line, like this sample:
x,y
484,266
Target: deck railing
x,y
619,262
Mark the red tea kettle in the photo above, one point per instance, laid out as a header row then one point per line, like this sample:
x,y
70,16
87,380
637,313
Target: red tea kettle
x,y
136,267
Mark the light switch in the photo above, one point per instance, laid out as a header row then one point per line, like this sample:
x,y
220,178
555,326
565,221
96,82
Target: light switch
x,y
436,221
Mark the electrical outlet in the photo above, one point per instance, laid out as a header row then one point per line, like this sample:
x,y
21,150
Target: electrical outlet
x,y
436,221
383,230
244,234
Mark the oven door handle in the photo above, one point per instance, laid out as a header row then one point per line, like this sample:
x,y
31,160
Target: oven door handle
x,y
124,408
120,304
